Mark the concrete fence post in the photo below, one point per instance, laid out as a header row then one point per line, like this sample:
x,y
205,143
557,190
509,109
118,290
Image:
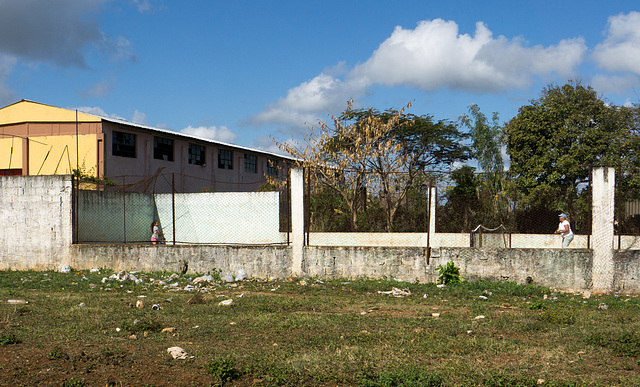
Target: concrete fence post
x,y
603,191
297,221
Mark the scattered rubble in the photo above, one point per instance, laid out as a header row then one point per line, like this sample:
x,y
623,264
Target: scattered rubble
x,y
203,279
397,292
179,353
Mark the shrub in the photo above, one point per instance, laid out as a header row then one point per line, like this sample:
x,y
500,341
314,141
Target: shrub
x,y
449,274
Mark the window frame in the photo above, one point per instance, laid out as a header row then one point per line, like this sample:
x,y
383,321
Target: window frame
x,y
272,167
197,158
225,159
250,163
161,147
118,142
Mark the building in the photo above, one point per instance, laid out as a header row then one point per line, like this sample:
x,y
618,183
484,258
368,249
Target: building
x,y
38,139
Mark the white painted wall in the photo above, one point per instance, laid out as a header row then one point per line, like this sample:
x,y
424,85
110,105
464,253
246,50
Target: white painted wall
x,y
36,219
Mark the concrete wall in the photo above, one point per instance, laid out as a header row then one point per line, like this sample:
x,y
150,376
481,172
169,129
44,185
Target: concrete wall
x,y
257,261
36,219
568,270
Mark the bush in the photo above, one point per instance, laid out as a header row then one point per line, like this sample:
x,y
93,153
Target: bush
x,y
222,370
449,274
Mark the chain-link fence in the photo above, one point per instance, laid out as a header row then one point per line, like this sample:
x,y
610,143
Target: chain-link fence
x,y
189,210
627,208
491,207
351,201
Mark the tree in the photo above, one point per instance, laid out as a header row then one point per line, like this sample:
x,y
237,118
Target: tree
x,y
487,139
554,139
383,153
487,144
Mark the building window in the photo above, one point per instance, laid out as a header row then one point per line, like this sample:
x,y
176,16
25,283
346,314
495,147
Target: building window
x,y
196,154
225,159
163,149
272,168
123,144
250,163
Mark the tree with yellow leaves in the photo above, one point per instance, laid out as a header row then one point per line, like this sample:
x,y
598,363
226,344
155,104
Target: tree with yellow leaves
x,y
367,153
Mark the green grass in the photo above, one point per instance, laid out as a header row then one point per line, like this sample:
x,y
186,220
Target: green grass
x,y
78,330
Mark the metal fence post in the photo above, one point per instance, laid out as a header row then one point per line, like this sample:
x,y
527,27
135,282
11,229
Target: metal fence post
x,y
124,212
173,206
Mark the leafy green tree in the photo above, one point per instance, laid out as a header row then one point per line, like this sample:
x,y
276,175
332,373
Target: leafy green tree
x,y
461,202
487,139
554,139
487,144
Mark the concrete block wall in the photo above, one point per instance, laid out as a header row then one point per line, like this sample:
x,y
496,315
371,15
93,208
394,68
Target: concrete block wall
x,y
258,261
36,222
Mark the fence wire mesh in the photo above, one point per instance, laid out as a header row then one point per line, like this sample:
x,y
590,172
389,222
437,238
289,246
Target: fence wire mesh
x,y
350,201
627,207
488,207
189,210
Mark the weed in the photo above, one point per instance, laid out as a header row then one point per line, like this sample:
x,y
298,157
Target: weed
x,y
627,344
74,383
559,317
142,325
449,274
56,353
407,377
9,338
537,305
222,370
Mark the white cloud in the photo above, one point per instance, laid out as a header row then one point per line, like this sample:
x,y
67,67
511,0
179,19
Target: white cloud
x,y
620,50
267,144
222,133
97,111
607,84
143,5
303,103
434,55
139,117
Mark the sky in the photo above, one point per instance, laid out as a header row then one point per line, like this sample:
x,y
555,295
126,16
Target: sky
x,y
254,73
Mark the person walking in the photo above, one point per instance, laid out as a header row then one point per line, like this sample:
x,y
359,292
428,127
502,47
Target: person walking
x,y
564,229
155,232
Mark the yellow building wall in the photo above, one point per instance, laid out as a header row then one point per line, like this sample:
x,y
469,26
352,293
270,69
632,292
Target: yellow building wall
x,y
11,153
28,111
56,155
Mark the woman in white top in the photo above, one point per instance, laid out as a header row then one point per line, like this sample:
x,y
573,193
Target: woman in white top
x,y
564,229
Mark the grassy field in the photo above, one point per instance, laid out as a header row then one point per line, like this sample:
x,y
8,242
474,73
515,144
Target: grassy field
x,y
77,329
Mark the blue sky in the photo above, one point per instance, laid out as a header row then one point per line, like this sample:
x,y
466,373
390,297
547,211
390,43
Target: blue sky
x,y
246,72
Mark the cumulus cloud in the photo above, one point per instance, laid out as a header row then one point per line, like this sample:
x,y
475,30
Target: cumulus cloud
x,y
434,55
620,50
221,133
302,104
